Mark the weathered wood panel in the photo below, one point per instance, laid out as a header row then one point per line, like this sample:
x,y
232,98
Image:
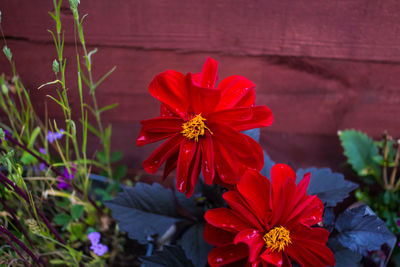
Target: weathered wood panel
x,y
311,98
346,29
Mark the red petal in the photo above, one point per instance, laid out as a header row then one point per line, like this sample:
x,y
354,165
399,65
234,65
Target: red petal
x,y
230,116
170,165
308,247
254,240
236,91
255,189
217,236
227,254
226,164
239,205
279,174
145,138
187,151
283,202
203,100
194,172
162,153
225,219
261,117
247,151
274,258
170,89
208,75
163,125
207,164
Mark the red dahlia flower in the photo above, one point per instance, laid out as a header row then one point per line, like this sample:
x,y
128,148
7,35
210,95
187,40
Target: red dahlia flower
x,y
269,223
202,126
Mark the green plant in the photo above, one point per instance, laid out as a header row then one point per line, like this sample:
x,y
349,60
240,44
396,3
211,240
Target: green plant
x,y
376,163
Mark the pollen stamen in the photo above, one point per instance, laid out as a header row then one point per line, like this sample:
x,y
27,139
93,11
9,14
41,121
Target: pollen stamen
x,y
195,128
277,238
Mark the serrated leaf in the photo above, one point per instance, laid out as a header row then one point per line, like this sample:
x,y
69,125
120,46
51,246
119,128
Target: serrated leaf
x,y
268,163
170,256
77,211
253,133
194,245
62,219
144,210
360,230
360,151
329,186
343,256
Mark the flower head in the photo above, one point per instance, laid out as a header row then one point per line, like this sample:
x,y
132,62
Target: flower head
x,y
269,223
94,237
98,248
52,136
202,124
68,176
42,150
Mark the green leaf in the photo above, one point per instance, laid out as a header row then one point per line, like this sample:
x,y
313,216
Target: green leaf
x,y
101,156
77,211
28,159
7,52
34,135
108,107
360,151
116,156
56,66
119,172
76,231
62,219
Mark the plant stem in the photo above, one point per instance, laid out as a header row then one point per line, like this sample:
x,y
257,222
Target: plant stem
x,y
21,193
14,248
18,224
58,173
20,244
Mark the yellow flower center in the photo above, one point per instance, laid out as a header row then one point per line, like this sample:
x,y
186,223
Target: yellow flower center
x,y
277,238
194,128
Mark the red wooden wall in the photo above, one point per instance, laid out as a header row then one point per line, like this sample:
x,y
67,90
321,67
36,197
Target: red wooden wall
x,y
321,66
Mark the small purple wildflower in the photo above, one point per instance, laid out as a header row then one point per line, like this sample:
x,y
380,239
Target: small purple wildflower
x,y
94,237
42,166
63,182
98,248
52,136
42,150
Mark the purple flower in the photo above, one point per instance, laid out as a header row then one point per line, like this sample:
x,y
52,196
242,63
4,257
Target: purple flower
x,y
68,176
42,150
62,184
52,136
42,166
94,237
98,248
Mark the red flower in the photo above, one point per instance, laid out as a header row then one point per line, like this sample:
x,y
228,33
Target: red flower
x,y
202,124
269,223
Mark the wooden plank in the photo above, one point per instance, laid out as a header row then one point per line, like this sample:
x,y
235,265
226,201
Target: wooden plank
x,y
351,29
311,99
306,96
